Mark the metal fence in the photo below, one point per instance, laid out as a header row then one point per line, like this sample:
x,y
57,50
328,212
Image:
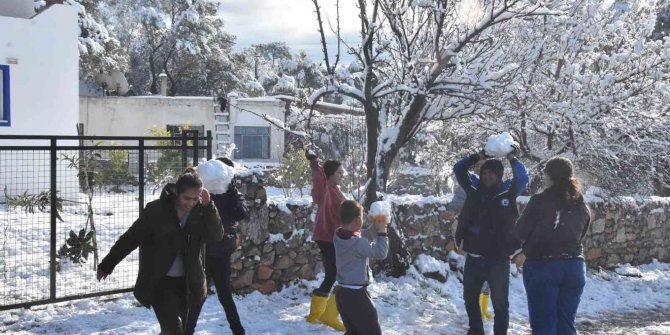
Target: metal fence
x,y
65,200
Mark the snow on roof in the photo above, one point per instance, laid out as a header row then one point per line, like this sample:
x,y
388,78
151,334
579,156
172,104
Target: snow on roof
x,y
259,99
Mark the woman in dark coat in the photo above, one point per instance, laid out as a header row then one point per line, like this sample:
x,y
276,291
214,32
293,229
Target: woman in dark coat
x,y
171,233
232,209
552,228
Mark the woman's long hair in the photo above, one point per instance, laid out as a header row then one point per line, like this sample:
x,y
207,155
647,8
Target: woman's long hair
x,y
564,186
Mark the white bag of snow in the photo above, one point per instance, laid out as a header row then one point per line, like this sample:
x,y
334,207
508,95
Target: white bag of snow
x,y
216,176
500,145
380,212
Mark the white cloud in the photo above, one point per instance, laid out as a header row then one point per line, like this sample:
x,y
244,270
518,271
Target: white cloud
x,y
291,21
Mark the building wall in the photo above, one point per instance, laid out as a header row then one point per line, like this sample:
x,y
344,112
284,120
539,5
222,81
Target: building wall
x,y
134,116
43,59
248,112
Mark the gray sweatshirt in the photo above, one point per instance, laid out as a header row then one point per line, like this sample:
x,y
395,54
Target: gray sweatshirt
x,y
352,254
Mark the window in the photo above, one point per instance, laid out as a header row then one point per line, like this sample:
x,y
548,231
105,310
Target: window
x,y
4,96
252,142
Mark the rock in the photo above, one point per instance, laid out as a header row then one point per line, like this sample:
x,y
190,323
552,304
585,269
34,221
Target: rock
x,y
280,247
244,280
284,262
301,259
268,259
264,272
256,227
237,265
436,275
266,287
598,226
594,253
253,252
306,272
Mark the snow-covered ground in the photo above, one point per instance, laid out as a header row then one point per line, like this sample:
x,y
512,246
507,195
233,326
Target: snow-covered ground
x,y
407,305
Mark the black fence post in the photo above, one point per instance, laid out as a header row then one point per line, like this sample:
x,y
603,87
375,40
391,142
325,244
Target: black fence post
x,y
196,146
184,145
54,215
140,174
209,145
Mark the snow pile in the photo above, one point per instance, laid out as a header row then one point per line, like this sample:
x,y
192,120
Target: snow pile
x,y
405,305
500,145
628,271
216,175
380,212
428,264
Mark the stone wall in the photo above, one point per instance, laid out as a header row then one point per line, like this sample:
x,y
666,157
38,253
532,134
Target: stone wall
x,y
277,247
626,230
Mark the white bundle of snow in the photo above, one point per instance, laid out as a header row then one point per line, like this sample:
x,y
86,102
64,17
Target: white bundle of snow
x,y
216,176
380,212
628,271
500,145
431,268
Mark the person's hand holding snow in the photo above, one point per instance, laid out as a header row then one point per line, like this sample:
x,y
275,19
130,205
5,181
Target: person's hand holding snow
x,y
379,215
515,151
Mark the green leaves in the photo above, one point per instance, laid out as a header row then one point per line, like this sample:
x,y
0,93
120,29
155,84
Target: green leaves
x,y
77,247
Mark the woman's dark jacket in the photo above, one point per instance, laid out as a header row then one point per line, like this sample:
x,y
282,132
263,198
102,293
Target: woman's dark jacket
x,y
550,232
159,236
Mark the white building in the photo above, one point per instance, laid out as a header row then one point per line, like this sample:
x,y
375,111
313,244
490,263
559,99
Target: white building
x,y
39,60
39,87
240,121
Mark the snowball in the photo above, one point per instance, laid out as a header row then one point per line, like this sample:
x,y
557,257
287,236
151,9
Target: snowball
x,y
500,145
425,264
216,176
380,211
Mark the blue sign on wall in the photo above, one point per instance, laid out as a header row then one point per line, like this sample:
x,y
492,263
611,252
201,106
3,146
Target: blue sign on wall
x,y
5,120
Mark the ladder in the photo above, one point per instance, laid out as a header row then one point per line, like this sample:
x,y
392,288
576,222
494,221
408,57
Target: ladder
x,y
222,130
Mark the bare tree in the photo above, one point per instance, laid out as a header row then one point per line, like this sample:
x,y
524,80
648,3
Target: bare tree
x,y
424,60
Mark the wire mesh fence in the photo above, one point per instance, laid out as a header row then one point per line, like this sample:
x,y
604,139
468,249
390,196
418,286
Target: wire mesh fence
x,y
66,200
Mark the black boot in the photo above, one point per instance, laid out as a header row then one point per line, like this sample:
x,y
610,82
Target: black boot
x,y
475,332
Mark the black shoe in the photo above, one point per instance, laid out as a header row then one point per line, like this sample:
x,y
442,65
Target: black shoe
x,y
238,330
475,332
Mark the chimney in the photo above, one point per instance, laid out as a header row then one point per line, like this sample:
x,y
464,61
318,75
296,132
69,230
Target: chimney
x,y
163,79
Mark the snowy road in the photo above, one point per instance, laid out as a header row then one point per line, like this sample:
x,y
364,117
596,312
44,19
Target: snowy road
x,y
611,304
637,322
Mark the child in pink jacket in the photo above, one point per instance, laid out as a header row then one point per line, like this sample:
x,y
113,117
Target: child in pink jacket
x,y
327,196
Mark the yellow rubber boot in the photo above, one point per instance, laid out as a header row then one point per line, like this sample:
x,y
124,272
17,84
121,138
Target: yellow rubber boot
x,y
316,308
484,306
331,317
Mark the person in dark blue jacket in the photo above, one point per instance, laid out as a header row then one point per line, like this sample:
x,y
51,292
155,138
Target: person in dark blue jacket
x,y
485,233
231,209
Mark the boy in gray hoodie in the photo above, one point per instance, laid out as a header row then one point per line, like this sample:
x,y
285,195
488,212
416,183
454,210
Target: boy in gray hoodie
x,y
353,248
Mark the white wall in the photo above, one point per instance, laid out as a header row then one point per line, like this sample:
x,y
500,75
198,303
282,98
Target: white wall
x,y
240,116
134,116
43,94
44,84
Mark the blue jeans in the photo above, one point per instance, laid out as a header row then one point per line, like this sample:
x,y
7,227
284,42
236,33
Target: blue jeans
x,y
554,289
496,273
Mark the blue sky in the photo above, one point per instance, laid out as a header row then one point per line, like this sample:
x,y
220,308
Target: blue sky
x,y
291,21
